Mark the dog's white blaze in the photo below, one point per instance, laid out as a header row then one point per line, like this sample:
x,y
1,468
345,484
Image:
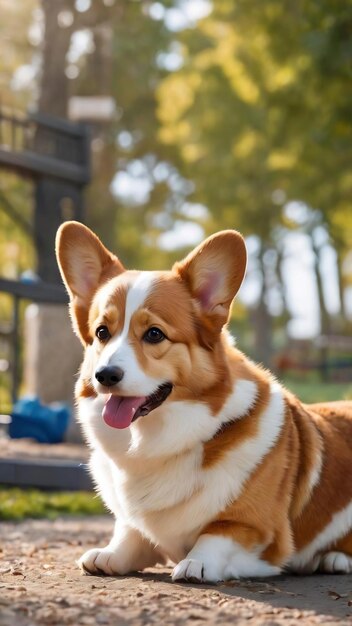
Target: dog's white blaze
x,y
135,298
339,526
215,558
118,352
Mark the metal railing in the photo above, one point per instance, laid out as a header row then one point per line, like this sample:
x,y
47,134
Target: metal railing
x,y
58,139
46,145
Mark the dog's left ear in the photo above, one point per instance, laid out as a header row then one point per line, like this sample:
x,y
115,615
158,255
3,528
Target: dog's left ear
x,y
213,272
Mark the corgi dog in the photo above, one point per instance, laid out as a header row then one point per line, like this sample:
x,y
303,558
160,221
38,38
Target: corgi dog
x,y
204,459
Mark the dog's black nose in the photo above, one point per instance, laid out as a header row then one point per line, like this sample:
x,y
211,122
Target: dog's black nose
x,y
109,376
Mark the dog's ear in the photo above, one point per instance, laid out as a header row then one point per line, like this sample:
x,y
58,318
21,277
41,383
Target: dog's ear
x,y
213,272
85,264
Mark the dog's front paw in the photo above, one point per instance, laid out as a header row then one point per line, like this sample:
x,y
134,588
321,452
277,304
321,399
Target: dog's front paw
x,y
100,561
195,571
215,558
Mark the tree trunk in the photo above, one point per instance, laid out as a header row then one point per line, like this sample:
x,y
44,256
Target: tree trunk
x,y
341,285
101,68
262,322
325,326
281,280
53,88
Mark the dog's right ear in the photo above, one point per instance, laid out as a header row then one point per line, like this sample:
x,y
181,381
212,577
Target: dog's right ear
x,y
85,264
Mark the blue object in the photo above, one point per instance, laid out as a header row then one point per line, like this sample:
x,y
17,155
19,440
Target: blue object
x,y
31,418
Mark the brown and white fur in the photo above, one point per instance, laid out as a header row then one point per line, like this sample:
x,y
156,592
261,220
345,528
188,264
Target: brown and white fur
x,y
231,475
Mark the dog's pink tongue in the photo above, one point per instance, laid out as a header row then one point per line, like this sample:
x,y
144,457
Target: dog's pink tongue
x,y
118,412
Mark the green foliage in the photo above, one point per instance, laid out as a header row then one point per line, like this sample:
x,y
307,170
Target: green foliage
x,y
261,104
17,504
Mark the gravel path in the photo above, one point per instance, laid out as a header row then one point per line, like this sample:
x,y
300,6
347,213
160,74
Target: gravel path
x,y
40,584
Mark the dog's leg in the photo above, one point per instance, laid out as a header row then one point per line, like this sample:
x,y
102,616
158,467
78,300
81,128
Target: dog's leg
x,y
128,551
333,562
214,558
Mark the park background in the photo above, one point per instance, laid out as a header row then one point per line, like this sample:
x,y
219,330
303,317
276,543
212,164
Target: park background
x,y
202,116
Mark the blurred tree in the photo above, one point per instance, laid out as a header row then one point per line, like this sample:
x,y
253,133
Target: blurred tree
x,y
259,114
120,59
18,45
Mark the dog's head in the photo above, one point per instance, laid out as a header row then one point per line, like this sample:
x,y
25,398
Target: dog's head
x,y
150,335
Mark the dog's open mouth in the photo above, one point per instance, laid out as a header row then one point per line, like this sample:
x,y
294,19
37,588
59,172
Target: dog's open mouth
x,y
121,411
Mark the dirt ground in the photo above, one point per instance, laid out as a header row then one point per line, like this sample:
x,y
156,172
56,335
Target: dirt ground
x,y
23,449
41,584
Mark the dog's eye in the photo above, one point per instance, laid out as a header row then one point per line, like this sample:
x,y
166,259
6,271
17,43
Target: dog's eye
x,y
154,335
102,332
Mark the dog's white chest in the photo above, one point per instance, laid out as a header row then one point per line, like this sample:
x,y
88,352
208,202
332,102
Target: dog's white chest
x,y
162,502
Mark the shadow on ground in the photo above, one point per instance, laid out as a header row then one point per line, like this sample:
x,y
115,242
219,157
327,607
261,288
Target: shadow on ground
x,y
40,584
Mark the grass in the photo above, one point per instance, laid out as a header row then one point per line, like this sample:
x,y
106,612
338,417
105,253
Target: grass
x,y
313,390
18,504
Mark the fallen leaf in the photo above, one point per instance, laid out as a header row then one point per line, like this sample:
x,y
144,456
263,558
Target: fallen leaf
x,y
336,596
